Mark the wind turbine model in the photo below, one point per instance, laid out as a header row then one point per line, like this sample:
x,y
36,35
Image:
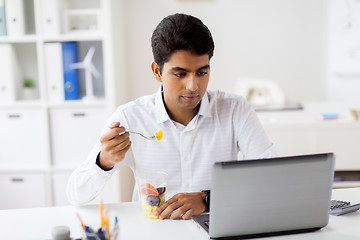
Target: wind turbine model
x,y
90,70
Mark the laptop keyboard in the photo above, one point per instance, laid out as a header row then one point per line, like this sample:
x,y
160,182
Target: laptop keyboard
x,y
338,204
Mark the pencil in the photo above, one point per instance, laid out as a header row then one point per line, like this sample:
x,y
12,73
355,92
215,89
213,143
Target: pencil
x,y
107,225
101,214
81,221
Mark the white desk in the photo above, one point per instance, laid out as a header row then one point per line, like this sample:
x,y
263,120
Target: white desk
x,y
36,223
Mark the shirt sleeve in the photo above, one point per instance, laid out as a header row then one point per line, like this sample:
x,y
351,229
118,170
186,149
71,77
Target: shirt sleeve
x,y
252,140
88,180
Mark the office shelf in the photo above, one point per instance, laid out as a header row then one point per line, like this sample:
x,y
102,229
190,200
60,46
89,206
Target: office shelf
x,y
18,39
46,140
23,169
79,103
21,104
74,37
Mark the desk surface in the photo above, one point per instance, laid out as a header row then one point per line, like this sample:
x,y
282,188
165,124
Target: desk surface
x,y
36,223
310,114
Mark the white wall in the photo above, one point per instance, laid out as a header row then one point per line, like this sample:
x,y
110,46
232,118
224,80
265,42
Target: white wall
x,y
281,40
343,83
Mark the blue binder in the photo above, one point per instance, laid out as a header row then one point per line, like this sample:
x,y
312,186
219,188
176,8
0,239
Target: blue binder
x,y
3,31
71,76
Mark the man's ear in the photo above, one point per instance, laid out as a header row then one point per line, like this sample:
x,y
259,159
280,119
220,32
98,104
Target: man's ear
x,y
156,71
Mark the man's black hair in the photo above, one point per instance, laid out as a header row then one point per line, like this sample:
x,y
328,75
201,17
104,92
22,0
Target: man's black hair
x,y
180,32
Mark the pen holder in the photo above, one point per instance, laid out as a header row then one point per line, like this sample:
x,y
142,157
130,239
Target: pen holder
x,y
93,233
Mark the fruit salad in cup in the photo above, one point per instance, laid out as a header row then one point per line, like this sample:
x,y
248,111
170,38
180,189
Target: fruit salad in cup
x,y
151,198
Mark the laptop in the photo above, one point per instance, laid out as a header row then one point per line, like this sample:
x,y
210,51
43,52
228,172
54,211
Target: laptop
x,y
267,197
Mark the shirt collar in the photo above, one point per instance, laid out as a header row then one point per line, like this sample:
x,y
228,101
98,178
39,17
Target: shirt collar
x,y
160,110
205,106
162,115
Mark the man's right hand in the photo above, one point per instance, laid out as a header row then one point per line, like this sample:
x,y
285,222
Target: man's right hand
x,y
115,144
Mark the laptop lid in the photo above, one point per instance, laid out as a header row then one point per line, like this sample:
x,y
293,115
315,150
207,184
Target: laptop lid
x,y
271,195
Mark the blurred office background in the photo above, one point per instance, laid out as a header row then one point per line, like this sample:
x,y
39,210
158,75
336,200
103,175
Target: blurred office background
x,y
283,41
309,49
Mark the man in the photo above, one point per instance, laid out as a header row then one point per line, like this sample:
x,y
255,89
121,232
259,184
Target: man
x,y
199,126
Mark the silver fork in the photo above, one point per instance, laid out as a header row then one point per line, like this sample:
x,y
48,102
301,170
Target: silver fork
x,y
157,136
149,138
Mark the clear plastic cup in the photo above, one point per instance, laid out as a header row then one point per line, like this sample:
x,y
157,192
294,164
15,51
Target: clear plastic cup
x,y
152,188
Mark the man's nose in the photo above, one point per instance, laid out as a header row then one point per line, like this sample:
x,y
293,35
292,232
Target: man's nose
x,y
191,83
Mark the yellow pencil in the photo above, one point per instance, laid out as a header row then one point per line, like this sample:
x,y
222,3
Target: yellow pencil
x,y
101,214
81,221
107,225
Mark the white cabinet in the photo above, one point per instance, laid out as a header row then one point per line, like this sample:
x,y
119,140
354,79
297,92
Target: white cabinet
x,y
341,138
21,190
22,138
344,140
59,186
303,132
43,137
74,133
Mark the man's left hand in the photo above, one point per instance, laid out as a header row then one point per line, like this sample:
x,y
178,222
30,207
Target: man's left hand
x,y
182,204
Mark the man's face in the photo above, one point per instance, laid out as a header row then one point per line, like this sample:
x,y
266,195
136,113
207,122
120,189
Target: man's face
x,y
185,78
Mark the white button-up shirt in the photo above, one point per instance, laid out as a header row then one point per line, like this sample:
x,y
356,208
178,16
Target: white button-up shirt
x,y
224,126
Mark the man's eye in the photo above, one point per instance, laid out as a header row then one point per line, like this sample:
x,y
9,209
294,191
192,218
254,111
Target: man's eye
x,y
179,74
202,73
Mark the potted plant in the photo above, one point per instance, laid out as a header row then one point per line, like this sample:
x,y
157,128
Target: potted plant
x,y
29,89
